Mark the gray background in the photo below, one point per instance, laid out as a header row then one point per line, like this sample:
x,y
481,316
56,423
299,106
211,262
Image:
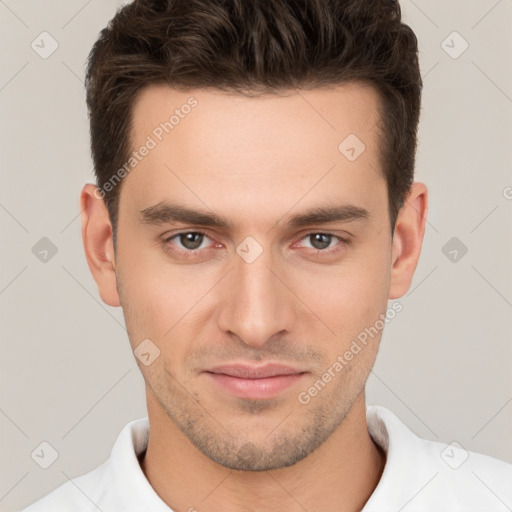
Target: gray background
x,y
68,376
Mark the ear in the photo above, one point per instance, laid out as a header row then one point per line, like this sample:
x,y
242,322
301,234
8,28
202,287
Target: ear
x,y
407,239
98,243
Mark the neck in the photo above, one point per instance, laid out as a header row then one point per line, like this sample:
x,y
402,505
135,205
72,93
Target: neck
x,y
341,474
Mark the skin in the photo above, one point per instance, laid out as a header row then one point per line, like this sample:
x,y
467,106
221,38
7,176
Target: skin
x,y
256,162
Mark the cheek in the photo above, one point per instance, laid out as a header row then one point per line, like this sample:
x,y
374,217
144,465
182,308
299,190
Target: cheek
x,y
164,303
167,301
348,296
155,287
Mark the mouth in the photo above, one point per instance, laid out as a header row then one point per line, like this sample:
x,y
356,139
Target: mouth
x,y
255,382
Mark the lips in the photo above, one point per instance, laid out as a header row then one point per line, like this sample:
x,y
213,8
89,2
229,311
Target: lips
x,y
254,382
255,372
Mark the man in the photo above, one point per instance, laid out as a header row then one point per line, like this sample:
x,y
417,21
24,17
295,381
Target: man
x,y
255,210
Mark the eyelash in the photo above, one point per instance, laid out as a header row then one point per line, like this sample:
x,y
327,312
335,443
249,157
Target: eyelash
x,y
318,253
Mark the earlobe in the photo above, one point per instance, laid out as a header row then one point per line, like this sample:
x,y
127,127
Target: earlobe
x,y
98,243
408,239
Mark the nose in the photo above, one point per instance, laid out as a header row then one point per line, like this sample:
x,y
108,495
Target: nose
x,y
256,304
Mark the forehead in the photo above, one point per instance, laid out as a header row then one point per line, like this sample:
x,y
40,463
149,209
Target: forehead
x,y
255,151
350,107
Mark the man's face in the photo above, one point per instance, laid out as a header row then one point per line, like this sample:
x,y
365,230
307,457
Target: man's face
x,y
260,289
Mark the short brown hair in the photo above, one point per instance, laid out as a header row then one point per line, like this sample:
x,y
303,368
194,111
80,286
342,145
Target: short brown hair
x,y
252,47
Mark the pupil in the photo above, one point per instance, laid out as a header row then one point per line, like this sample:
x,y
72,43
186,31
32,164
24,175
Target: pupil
x,y
191,240
323,244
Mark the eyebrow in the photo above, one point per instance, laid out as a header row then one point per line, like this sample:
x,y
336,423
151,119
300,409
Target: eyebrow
x,y
164,213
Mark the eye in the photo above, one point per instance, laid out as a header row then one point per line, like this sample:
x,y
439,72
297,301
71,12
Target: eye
x,y
188,241
325,243
320,240
191,243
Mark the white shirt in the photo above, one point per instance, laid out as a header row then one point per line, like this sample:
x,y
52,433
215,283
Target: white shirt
x,y
419,475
